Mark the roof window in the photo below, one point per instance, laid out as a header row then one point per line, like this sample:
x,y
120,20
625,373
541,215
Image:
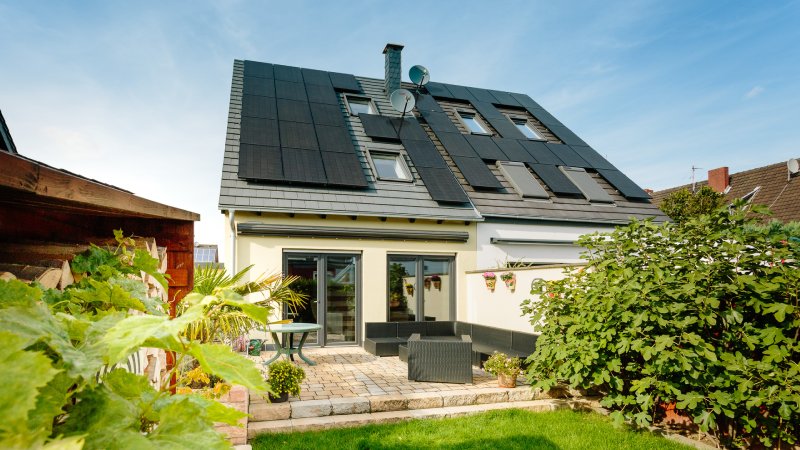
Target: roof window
x,y
473,123
521,179
360,105
525,128
390,166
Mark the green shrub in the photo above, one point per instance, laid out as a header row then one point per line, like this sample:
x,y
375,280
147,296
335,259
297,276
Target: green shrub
x,y
704,314
285,377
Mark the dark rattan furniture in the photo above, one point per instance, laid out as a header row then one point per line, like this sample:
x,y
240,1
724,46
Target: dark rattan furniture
x,y
443,359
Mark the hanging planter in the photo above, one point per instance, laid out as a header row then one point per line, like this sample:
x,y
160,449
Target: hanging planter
x,y
410,289
510,279
437,282
491,280
428,283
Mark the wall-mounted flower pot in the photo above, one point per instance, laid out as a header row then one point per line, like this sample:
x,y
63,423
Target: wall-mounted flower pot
x,y
427,283
410,289
438,284
491,283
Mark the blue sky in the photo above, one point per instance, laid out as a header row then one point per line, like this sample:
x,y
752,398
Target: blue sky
x,y
136,93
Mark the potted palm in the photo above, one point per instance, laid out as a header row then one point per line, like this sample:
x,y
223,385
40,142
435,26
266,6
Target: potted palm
x,y
506,369
284,378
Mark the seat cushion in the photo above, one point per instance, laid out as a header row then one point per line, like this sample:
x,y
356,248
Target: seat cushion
x,y
381,329
444,328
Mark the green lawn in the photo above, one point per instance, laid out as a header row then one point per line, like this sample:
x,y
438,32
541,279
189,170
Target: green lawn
x,y
507,429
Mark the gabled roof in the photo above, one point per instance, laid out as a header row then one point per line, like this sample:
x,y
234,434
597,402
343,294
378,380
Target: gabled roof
x,y
293,146
776,189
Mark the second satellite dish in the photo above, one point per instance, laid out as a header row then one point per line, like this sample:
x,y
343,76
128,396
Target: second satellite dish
x,y
419,75
402,100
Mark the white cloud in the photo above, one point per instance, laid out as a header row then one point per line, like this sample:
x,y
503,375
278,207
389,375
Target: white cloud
x,y
755,92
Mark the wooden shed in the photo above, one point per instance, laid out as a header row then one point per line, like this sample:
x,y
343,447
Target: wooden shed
x,y
48,213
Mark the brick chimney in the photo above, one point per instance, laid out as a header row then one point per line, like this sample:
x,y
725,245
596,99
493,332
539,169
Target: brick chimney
x,y
392,68
718,179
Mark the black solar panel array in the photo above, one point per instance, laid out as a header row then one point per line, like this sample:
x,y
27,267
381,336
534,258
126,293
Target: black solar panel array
x,y
512,145
292,127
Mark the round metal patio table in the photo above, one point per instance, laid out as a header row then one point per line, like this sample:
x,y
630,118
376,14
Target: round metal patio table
x,y
286,345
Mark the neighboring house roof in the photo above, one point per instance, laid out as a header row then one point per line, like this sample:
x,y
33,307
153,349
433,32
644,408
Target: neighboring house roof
x,y
293,146
777,189
6,143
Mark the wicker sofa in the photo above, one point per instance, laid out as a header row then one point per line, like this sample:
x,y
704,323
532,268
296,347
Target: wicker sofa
x,y
385,338
445,359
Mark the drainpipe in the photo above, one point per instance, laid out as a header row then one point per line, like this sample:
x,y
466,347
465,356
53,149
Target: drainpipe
x,y
232,213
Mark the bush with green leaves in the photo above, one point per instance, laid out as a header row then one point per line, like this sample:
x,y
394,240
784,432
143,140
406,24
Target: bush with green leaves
x,y
285,377
704,314
55,345
683,204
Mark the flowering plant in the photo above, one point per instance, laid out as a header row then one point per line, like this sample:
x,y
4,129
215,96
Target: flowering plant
x,y
507,276
489,276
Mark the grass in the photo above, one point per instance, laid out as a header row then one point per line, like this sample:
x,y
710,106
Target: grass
x,y
506,429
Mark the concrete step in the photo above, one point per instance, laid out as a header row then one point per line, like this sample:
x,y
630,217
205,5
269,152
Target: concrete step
x,y
351,420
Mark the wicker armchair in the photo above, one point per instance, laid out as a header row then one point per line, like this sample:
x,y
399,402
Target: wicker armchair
x,y
447,360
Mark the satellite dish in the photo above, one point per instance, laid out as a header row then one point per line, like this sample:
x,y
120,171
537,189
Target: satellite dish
x,y
419,75
402,100
793,165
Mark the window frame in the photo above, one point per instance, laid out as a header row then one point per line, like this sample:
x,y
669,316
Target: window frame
x,y
419,260
478,121
519,120
399,156
367,100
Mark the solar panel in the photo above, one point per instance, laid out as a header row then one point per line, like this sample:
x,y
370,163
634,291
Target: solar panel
x,y
290,90
378,127
438,90
343,169
426,102
442,185
555,179
317,77
257,69
321,94
624,184
461,93
344,82
259,106
513,150
323,114
485,147
456,145
543,116
591,156
504,98
591,190
334,139
482,95
260,162
566,135
525,101
505,127
439,122
259,86
287,73
303,166
424,154
487,110
476,173
259,131
567,154
298,135
521,179
409,128
293,111
540,152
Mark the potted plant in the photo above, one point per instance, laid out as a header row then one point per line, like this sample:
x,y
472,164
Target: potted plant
x,y
284,378
437,282
506,368
510,279
491,280
410,288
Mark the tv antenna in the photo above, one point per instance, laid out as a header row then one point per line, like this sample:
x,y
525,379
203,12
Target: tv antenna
x,y
694,169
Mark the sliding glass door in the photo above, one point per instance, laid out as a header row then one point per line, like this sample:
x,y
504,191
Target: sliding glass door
x,y
420,288
331,284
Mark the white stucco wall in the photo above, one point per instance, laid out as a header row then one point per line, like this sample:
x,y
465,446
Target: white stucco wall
x,y
501,307
495,255
266,252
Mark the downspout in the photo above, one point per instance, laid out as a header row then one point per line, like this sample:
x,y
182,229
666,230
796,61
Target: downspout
x,y
233,240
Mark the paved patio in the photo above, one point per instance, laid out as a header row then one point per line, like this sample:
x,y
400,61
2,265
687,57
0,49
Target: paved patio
x,y
352,372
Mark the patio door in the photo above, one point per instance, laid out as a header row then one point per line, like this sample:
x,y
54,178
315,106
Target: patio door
x,y
420,288
332,286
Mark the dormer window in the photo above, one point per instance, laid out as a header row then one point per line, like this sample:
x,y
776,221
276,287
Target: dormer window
x,y
360,105
473,123
390,166
525,128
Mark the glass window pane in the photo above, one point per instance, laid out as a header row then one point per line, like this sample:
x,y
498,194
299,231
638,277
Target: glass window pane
x,y
402,289
340,313
360,106
472,123
437,294
524,127
389,166
304,267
